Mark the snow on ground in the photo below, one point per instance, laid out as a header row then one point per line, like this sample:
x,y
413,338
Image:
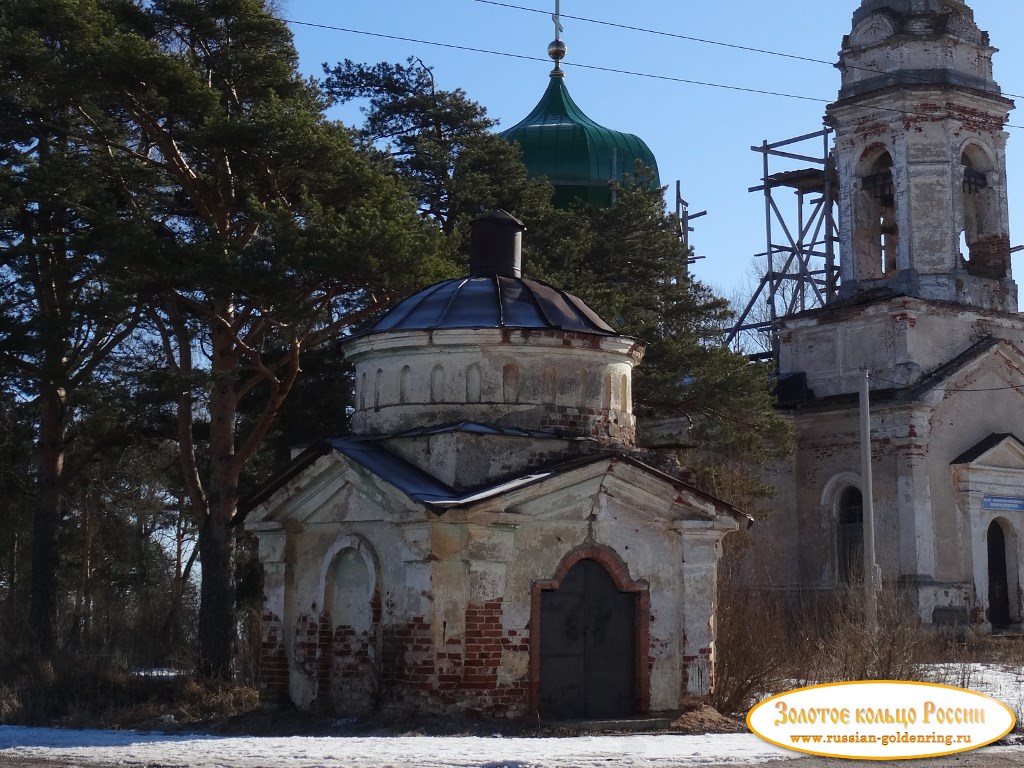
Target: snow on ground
x,y
635,751
1005,683
130,748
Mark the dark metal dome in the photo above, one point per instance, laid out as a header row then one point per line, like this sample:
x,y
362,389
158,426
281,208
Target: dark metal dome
x,y
493,301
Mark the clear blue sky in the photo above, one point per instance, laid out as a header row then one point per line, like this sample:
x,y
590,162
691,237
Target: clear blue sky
x,y
701,135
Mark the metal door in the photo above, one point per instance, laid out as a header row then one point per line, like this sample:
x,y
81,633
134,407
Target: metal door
x,y
587,647
998,591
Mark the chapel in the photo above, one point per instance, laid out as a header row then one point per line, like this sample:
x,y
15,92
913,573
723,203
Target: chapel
x,y
489,539
927,309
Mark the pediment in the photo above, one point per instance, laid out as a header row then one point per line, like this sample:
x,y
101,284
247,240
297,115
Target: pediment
x,y
603,484
332,489
997,451
1000,365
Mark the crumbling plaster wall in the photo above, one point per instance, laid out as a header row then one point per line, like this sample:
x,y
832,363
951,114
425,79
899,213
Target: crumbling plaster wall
x,y
923,537
927,137
961,419
551,380
899,340
450,620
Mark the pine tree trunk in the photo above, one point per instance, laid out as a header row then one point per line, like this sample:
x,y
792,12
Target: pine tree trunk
x,y
50,501
216,537
216,598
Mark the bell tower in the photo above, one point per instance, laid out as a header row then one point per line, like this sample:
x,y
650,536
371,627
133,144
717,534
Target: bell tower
x,y
920,155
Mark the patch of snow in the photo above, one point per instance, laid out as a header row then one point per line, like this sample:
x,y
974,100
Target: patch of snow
x,y
129,748
158,672
634,751
999,681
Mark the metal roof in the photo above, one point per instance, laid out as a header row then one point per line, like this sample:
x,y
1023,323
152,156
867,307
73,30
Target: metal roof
x,y
493,301
578,156
371,454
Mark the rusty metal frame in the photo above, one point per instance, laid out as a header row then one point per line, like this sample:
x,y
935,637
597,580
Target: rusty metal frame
x,y
805,258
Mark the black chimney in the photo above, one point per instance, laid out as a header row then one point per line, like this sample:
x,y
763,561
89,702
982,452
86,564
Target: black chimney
x,y
496,245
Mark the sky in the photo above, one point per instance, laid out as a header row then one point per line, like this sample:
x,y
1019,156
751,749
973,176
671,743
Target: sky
x,y
700,134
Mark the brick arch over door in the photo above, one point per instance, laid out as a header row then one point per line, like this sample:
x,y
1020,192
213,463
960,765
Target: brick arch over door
x,y
599,570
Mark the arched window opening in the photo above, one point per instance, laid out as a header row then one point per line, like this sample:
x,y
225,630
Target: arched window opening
x,y
850,543
378,382
404,383
473,385
510,383
876,238
437,384
362,391
627,400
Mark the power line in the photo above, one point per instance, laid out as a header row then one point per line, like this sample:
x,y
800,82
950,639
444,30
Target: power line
x,y
612,70
524,57
702,40
662,33
900,384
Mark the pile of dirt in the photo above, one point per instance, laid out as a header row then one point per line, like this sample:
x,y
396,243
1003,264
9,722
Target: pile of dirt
x,y
707,719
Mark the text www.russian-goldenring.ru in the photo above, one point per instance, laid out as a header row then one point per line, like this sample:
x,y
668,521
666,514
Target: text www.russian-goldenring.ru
x,y
885,740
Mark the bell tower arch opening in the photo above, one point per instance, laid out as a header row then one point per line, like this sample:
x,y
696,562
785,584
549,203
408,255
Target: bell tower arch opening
x,y
876,234
982,232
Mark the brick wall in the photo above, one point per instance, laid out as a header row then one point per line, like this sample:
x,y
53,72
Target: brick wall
x,y
463,675
273,662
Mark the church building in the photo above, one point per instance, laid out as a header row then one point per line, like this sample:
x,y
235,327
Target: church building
x,y
927,308
489,539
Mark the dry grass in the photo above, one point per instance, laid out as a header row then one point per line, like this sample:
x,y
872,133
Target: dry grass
x,y
835,644
81,692
767,642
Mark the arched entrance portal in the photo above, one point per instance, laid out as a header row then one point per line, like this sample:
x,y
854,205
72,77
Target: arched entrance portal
x,y
998,581
588,654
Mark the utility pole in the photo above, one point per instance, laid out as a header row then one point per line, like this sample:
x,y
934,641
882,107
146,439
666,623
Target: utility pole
x,y
868,501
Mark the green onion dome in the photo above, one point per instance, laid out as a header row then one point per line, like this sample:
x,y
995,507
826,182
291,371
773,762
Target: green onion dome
x,y
579,157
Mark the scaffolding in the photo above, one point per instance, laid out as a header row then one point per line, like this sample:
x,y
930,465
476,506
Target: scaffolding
x,y
683,228
801,270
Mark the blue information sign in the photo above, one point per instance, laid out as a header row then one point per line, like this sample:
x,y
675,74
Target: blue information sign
x,y
1003,503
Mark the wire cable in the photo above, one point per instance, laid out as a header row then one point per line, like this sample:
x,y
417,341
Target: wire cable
x,y
525,57
702,40
903,385
614,70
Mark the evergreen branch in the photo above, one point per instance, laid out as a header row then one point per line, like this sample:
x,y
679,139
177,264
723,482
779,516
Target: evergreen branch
x,y
178,165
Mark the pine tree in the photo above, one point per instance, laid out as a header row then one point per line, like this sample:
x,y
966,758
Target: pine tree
x,y
65,237
268,232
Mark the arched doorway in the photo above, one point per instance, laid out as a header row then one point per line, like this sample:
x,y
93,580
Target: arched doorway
x,y
998,580
588,654
349,626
